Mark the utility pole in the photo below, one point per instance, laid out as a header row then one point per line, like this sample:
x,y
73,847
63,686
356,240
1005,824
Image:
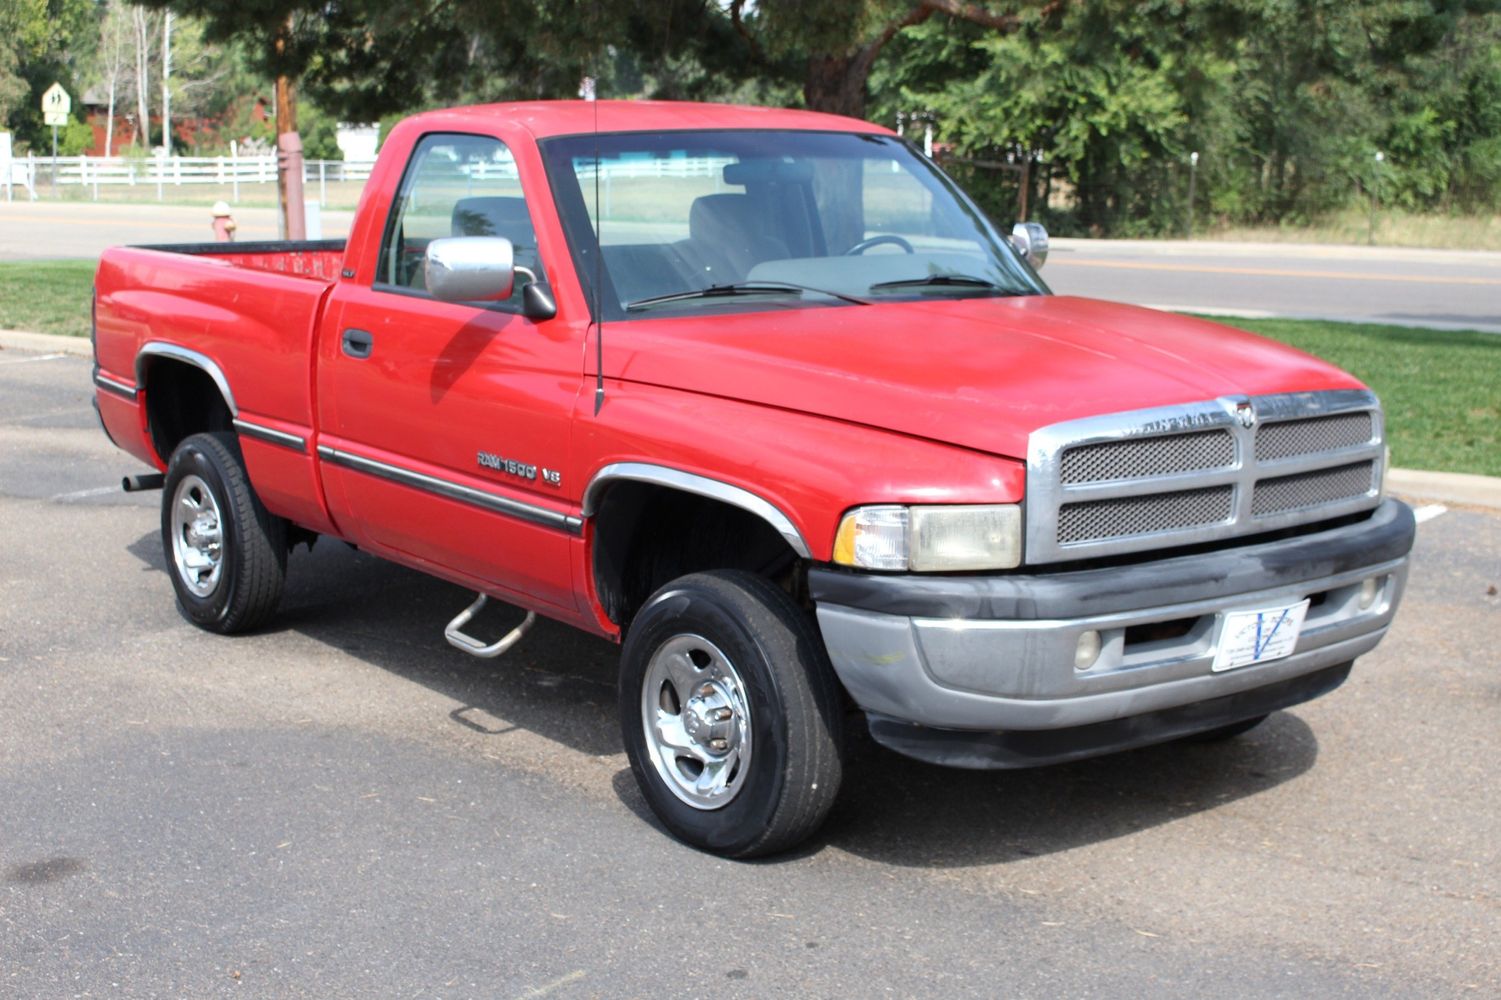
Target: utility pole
x,y
1026,187
1193,178
166,76
1370,233
288,144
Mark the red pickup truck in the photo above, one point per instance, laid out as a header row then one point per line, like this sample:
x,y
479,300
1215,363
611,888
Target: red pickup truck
x,y
764,396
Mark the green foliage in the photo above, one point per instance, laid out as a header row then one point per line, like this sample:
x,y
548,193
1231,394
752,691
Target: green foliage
x,y
319,133
1105,99
74,138
1286,101
42,42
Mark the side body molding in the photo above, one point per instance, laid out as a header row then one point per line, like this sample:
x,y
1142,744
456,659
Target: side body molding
x,y
157,349
661,475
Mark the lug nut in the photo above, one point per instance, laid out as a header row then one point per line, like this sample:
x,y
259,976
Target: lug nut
x,y
719,745
724,715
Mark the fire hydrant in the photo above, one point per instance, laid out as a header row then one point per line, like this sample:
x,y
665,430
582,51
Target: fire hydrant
x,y
224,223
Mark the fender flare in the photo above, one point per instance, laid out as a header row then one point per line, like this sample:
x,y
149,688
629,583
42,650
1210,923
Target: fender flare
x,y
161,349
688,482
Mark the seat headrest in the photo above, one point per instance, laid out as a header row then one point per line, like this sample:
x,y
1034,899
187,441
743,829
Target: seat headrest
x,y
717,217
494,216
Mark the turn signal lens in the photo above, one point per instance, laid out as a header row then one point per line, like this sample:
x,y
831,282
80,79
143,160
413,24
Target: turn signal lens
x,y
873,538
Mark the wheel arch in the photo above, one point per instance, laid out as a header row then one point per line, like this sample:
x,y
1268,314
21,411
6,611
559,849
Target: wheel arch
x,y
690,482
653,523
185,392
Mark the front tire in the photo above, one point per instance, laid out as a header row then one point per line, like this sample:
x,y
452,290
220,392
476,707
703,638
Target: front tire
x,y
226,554
731,714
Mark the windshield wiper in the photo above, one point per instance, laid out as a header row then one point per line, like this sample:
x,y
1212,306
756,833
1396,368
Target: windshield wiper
x,y
953,280
741,288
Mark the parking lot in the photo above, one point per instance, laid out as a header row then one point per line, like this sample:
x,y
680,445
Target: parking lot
x,y
342,805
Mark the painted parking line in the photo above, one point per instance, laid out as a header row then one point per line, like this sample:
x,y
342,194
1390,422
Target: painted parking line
x,y
77,495
1428,512
30,360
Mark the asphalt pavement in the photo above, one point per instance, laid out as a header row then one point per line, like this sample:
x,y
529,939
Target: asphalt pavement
x,y
1441,289
343,806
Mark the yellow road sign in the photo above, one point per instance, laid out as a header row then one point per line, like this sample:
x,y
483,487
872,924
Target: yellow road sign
x,y
55,105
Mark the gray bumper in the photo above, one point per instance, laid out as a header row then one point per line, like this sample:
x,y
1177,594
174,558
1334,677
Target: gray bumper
x,y
988,653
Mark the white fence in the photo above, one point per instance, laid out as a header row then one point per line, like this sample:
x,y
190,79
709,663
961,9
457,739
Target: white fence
x,y
163,172
93,173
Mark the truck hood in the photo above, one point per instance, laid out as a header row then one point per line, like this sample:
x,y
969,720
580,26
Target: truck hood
x,y
979,373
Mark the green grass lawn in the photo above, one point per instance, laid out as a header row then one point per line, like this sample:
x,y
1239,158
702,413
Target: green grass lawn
x,y
49,296
1441,389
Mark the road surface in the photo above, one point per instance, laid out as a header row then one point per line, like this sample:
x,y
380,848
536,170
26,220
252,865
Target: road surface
x,y
1434,288
342,805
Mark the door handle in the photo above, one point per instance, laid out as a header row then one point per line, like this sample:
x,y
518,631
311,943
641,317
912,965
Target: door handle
x,y
358,343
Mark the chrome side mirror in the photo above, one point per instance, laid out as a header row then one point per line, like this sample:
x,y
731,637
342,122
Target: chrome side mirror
x,y
470,268
1031,241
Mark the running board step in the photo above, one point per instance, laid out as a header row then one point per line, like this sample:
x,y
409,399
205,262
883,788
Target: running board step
x,y
475,647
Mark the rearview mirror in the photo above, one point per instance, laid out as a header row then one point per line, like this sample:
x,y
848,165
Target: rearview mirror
x,y
470,268
1031,241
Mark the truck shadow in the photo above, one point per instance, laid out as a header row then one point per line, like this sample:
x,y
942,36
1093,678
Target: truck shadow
x,y
903,812
560,683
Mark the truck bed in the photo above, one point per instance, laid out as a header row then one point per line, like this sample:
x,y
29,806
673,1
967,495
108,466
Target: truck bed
x,y
301,258
247,313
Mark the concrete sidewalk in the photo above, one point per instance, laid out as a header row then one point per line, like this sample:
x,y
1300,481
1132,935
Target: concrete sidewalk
x,y
1433,487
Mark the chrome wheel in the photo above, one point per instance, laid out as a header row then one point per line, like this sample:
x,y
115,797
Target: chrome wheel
x,y
197,536
696,716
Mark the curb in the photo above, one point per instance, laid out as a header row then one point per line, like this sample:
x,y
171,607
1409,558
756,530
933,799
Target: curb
x,y
1443,487
48,343
1446,487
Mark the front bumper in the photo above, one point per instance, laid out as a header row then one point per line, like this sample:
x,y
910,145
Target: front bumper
x,y
996,653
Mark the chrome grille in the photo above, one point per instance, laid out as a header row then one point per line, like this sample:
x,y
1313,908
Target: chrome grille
x,y
1288,438
1190,474
1158,456
1311,489
1157,512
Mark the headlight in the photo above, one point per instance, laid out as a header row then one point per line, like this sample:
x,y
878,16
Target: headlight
x,y
931,539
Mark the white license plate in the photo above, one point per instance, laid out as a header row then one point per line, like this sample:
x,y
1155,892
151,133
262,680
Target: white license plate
x,y
1248,637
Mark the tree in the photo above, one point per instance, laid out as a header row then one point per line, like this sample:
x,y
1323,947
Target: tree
x,y
143,25
42,42
114,42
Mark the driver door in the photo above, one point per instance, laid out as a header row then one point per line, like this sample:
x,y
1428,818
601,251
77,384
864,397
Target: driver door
x,y
445,424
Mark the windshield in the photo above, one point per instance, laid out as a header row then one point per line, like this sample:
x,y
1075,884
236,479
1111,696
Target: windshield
x,y
681,222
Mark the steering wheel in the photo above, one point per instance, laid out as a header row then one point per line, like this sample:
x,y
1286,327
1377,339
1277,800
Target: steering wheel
x,y
876,241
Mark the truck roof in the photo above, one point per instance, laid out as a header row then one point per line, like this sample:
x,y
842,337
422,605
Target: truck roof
x,y
553,118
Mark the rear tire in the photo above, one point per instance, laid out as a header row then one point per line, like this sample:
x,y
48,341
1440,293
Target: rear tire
x,y
226,554
731,714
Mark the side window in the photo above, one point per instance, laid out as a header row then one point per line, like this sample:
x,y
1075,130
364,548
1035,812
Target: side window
x,y
455,185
